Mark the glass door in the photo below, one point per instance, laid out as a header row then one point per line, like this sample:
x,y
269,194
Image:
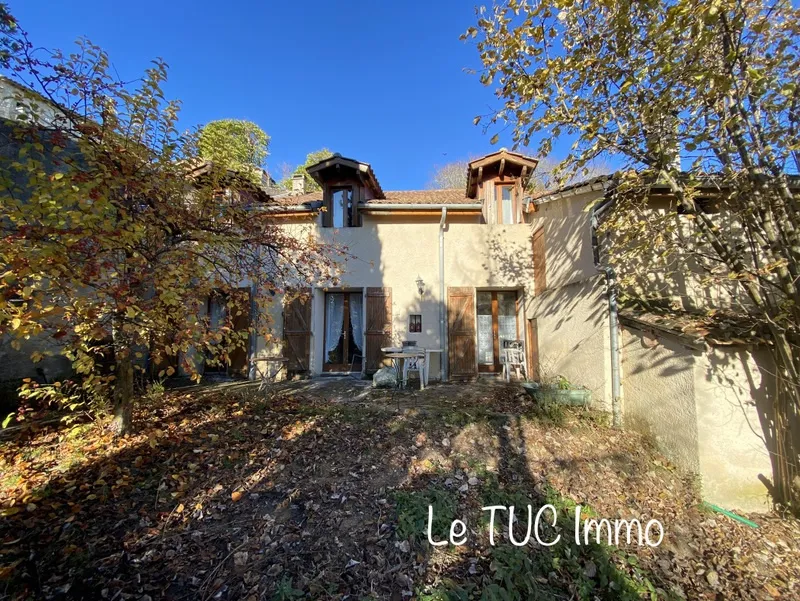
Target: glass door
x,y
343,332
497,321
217,313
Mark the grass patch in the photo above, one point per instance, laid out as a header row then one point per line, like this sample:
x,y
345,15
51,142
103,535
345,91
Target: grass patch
x,y
412,513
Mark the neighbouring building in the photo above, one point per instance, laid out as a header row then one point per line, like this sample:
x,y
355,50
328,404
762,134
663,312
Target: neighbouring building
x,y
702,394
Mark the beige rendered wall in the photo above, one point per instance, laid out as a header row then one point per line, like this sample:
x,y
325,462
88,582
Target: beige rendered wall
x,y
572,324
703,409
568,237
659,394
678,280
572,313
733,396
394,251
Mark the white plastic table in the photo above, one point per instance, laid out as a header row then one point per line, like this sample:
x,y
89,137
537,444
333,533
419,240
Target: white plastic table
x,y
414,352
398,356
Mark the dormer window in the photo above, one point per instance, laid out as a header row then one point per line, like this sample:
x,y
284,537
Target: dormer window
x,y
346,184
498,181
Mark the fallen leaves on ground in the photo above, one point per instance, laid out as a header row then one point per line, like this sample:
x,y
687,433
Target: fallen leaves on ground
x,y
238,495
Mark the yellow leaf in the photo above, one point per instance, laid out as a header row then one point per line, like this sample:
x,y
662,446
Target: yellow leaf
x,y
179,508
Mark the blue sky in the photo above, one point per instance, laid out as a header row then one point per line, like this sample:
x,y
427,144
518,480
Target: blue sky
x,y
382,82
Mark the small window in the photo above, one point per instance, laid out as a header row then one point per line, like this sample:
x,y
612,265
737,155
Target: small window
x,y
342,209
415,323
505,204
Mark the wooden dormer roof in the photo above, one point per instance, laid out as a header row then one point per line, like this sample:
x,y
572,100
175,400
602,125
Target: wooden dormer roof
x,y
502,162
337,166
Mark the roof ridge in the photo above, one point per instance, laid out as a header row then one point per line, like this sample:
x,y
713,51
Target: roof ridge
x,y
431,190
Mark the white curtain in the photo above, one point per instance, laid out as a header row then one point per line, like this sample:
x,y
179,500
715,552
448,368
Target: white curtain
x,y
334,320
356,318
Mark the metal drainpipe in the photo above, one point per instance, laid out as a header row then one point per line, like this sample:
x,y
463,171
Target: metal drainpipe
x,y
613,324
253,342
442,309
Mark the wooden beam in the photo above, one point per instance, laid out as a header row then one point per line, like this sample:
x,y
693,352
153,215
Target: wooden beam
x,y
502,168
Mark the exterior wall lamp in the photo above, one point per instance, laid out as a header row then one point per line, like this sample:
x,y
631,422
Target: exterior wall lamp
x,y
420,285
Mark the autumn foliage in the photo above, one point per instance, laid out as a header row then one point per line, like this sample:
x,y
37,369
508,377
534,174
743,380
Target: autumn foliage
x,y
115,233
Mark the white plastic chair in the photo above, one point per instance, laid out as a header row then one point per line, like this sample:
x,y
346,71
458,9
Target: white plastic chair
x,y
416,364
513,357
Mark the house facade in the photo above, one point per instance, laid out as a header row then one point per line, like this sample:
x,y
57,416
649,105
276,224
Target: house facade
x,y
452,270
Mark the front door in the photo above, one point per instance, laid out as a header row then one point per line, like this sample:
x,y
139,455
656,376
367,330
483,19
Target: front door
x,y
344,332
497,321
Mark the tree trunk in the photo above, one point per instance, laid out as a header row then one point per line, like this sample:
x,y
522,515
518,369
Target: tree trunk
x,y
785,423
122,409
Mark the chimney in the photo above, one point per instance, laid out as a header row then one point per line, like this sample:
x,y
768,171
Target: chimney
x,y
298,184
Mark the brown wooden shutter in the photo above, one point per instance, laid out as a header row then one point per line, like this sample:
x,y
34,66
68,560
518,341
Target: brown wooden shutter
x,y
327,206
379,326
533,350
539,263
461,332
297,331
241,323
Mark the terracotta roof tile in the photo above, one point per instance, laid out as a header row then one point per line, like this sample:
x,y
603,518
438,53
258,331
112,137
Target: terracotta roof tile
x,y
298,200
717,329
448,196
421,197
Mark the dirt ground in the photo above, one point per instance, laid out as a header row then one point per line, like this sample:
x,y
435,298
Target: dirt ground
x,y
320,490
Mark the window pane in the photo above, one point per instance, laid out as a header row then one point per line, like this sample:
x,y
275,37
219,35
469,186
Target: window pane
x,y
507,316
485,339
484,303
507,192
339,200
508,211
348,206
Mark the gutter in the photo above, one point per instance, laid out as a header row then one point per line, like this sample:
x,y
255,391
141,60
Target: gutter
x,y
291,208
613,320
442,316
602,182
420,207
312,206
